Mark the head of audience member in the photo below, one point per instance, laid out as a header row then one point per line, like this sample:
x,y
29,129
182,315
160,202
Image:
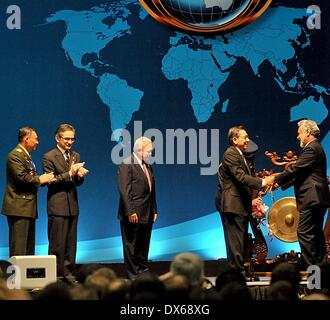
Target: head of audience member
x,y
56,291
28,138
189,265
82,292
317,296
12,294
235,291
282,290
4,265
147,286
238,137
287,272
87,269
118,290
177,287
143,148
229,275
98,283
106,273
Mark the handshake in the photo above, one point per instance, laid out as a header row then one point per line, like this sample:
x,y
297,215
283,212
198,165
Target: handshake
x,y
270,183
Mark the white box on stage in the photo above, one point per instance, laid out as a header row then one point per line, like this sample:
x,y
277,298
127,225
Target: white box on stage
x,y
33,271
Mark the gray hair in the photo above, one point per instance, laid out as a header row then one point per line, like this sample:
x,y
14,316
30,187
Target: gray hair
x,y
141,143
310,127
190,266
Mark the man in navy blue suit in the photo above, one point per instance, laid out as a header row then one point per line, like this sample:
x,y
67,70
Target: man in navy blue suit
x,y
309,177
137,206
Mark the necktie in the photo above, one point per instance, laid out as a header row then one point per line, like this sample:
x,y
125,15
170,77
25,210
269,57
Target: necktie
x,y
146,172
67,157
33,164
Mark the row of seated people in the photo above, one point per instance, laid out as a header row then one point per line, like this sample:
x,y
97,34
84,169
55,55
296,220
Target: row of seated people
x,y
184,281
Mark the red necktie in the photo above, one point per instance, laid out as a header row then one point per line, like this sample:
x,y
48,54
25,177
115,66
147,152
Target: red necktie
x,y
146,172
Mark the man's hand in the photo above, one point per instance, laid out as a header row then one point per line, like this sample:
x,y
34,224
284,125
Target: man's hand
x,y
82,172
155,216
47,178
75,167
270,180
256,202
133,218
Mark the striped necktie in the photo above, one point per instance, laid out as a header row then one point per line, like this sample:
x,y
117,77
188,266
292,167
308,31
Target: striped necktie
x,y
67,157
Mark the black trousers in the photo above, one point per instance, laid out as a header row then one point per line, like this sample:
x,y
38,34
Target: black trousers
x,y
62,238
235,227
136,241
21,236
310,234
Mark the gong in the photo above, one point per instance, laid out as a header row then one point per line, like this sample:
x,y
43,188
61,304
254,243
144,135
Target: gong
x,y
283,219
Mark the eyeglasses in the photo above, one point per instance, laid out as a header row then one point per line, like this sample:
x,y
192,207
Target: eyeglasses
x,y
68,139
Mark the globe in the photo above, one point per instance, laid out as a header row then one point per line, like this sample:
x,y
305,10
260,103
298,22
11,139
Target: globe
x,y
205,15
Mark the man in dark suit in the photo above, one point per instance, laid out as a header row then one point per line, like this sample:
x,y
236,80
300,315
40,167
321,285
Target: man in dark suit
x,y
137,206
20,199
62,199
234,196
309,178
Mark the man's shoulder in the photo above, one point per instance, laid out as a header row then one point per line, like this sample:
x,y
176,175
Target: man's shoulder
x,y
231,151
52,153
129,160
17,152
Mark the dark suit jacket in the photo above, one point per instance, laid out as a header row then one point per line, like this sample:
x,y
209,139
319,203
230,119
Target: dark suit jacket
x,y
235,184
308,176
135,195
20,197
62,198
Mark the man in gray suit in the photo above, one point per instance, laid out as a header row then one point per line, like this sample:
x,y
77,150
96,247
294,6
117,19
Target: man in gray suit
x,y
20,199
62,199
234,196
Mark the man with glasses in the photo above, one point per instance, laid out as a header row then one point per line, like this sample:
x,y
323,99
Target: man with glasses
x,y
20,199
137,206
62,200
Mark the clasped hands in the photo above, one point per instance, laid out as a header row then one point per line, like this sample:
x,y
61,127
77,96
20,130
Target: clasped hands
x,y
270,183
78,169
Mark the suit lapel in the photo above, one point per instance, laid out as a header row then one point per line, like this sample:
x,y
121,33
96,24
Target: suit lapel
x,y
140,170
243,163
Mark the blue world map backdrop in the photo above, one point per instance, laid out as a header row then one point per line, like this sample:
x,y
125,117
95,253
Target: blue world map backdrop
x,y
102,65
